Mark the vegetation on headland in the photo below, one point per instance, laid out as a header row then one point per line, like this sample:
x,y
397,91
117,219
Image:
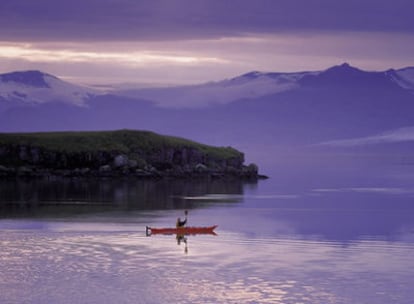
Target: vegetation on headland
x,y
116,153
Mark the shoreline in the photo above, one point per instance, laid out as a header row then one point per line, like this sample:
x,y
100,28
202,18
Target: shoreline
x,y
24,172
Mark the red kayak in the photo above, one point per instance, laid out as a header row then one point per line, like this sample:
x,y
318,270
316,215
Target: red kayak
x,y
182,230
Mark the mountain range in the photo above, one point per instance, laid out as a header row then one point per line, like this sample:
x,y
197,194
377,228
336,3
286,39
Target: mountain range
x,y
259,113
258,84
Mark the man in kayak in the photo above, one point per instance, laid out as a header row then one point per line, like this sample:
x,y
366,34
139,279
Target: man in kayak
x,y
180,223
182,238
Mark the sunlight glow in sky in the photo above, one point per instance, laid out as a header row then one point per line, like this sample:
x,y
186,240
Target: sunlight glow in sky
x,y
181,41
27,52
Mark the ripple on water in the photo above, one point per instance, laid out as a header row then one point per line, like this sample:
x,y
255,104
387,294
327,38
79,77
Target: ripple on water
x,y
124,266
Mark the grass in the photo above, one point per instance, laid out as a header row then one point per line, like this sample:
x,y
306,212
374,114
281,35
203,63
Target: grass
x,y
125,141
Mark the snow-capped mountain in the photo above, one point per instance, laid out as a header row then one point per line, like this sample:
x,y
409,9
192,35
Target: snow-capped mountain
x,y
248,86
345,74
35,87
256,84
403,77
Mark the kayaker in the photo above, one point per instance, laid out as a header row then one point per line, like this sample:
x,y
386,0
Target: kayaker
x,y
181,223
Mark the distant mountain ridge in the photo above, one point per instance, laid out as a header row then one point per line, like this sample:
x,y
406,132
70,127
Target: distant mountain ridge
x,y
258,84
38,87
345,72
256,112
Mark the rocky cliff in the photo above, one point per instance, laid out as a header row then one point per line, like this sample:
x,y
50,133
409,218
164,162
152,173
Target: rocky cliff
x,y
116,153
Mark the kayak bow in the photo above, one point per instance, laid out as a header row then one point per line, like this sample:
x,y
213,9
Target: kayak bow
x,y
182,230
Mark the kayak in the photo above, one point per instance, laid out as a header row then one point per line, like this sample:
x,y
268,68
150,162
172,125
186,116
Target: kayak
x,y
182,230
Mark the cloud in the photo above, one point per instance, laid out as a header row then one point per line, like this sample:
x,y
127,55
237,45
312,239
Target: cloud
x,y
197,61
394,136
135,58
119,20
193,41
371,190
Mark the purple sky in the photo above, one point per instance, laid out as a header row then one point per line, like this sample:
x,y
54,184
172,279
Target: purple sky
x,y
187,41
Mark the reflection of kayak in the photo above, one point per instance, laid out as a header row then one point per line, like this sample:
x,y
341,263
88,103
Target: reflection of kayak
x,y
182,230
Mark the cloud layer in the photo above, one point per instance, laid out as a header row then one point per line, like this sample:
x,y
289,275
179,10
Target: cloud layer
x,y
190,41
394,136
119,20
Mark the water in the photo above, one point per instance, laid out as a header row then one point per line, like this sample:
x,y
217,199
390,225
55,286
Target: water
x,y
310,234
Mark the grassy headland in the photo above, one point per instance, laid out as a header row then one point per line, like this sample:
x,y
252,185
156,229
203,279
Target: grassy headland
x,y
109,153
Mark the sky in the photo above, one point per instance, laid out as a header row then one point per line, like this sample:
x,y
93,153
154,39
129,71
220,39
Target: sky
x,y
163,42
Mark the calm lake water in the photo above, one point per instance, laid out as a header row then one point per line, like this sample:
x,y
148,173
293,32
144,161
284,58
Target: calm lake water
x,y
331,233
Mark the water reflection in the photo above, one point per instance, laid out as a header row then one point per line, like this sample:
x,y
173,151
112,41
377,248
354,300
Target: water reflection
x,y
71,196
331,239
47,265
